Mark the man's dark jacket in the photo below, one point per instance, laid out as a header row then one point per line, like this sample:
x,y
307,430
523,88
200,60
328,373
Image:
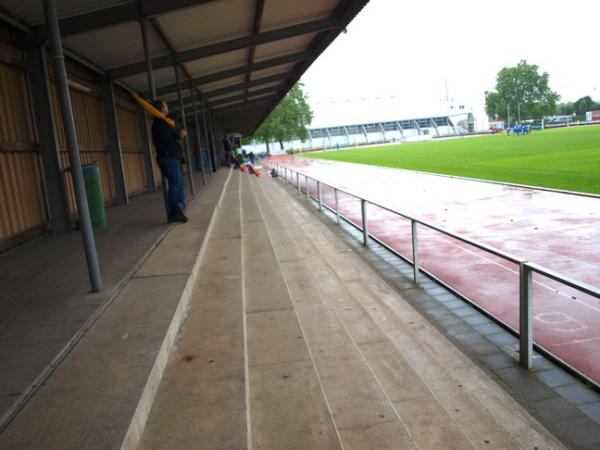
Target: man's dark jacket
x,y
166,139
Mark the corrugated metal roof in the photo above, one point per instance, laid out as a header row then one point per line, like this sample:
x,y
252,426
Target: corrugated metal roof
x,y
229,94
208,23
32,12
139,82
217,63
125,45
120,45
256,97
226,105
284,13
222,83
272,71
264,86
284,46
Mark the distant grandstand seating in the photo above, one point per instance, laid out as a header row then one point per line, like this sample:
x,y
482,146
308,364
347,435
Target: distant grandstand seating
x,y
405,130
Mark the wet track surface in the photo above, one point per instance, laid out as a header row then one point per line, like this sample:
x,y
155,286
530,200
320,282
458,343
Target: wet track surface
x,y
556,230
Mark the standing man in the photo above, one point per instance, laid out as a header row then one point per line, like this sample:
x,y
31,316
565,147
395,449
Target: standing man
x,y
228,147
167,141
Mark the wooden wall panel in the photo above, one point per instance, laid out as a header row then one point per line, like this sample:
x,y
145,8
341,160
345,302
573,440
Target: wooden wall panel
x,y
128,129
131,145
88,112
22,198
22,201
90,127
135,172
16,125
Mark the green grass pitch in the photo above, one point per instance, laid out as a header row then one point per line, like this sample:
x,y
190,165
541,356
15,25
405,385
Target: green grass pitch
x,y
566,158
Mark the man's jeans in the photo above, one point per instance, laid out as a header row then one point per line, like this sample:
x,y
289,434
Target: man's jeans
x,y
172,170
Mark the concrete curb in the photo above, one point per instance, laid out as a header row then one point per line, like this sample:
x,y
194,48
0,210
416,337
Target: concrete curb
x,y
136,427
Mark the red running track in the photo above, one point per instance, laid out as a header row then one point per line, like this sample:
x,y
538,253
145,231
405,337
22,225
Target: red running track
x,y
556,230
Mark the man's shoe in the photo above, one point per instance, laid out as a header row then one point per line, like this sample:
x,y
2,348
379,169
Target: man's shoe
x,y
179,214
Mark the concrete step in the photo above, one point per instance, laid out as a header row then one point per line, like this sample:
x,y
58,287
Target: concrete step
x,y
287,408
100,396
202,396
374,338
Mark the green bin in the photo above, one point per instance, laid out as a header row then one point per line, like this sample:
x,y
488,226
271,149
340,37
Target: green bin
x,y
93,189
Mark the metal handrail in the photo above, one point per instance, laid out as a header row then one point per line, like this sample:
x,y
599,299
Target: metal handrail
x,y
567,281
526,268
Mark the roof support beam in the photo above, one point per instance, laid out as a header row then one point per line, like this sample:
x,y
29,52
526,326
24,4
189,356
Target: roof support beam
x,y
228,46
118,14
268,90
237,87
258,101
239,99
217,76
260,7
249,84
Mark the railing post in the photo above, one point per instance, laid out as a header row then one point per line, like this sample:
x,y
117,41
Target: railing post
x,y
365,225
319,194
337,209
307,191
298,182
525,317
415,250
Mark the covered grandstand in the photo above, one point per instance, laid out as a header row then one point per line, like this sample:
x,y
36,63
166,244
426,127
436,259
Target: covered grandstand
x,y
230,61
255,325
353,124
391,131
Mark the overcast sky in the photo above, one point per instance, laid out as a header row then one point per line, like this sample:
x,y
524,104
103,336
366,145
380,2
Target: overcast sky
x,y
399,55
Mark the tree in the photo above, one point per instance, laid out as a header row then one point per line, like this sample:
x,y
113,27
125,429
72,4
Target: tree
x,y
288,121
521,89
565,109
584,104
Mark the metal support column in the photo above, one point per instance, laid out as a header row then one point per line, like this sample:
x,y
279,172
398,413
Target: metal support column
x,y
525,317
329,137
337,205
198,135
72,145
400,128
435,127
187,138
365,224
206,139
298,182
319,195
114,143
215,141
417,127
365,133
307,191
211,142
37,69
415,250
152,90
383,132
